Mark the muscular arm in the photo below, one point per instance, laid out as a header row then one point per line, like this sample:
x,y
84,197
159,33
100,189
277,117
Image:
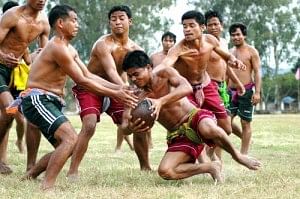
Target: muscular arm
x,y
255,61
7,22
171,57
107,62
79,73
44,37
181,85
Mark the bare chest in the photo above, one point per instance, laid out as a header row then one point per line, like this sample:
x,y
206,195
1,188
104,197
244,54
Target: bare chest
x,y
27,30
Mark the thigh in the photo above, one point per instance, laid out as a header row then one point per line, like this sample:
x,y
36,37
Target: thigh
x,y
173,159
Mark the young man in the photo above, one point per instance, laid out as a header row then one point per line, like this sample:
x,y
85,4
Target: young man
x,y
217,68
19,26
106,61
42,101
188,127
168,40
243,105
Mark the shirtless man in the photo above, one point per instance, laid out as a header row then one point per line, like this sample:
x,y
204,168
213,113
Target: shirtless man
x,y
188,127
168,40
106,61
217,68
19,26
42,101
250,78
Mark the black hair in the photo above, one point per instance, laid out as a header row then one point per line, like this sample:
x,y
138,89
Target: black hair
x,y
235,26
169,34
136,59
9,5
212,13
59,11
193,14
123,8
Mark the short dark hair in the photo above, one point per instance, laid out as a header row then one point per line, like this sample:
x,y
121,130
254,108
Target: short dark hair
x,y
169,34
212,13
9,5
136,59
123,8
235,26
59,11
193,14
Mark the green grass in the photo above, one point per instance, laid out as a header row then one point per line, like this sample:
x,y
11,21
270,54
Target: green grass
x,y
104,174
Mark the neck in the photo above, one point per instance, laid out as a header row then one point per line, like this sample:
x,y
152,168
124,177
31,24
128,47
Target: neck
x,y
121,38
241,46
31,12
62,38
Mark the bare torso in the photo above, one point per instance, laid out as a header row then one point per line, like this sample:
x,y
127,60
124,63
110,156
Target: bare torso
x,y
114,50
157,58
193,67
45,73
245,54
217,66
173,114
23,29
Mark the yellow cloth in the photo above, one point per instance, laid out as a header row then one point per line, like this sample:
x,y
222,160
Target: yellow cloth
x,y
19,76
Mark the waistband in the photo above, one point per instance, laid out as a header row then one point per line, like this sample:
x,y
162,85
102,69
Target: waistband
x,y
38,91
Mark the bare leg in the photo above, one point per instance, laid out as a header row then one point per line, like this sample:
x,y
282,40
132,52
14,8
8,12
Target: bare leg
x,y
5,124
246,136
209,130
120,138
87,131
3,149
175,165
149,136
33,138
236,130
67,138
141,149
20,128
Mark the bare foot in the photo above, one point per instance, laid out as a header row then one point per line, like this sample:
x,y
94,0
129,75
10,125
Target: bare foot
x,y
20,146
47,188
249,162
216,172
27,176
4,169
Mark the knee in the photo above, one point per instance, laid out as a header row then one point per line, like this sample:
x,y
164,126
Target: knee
x,y
166,173
71,140
89,127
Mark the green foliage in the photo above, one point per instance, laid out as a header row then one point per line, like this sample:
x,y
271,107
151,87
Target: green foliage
x,y
94,21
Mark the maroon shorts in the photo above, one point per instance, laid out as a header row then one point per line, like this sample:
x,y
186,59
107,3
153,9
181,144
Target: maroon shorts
x,y
212,100
185,145
90,103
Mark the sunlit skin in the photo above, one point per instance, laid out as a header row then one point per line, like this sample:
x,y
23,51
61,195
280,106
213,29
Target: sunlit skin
x,y
157,57
250,57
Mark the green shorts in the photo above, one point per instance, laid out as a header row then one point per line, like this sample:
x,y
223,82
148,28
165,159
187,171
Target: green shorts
x,y
242,106
223,93
44,111
5,74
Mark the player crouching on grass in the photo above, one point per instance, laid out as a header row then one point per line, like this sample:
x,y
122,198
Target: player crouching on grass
x,y
188,127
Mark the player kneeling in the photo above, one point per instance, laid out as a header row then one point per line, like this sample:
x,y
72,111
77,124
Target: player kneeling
x,y
188,127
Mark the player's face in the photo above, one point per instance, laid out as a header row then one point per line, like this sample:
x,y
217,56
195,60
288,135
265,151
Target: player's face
x,y
237,37
37,4
139,76
71,25
119,22
191,29
214,27
167,43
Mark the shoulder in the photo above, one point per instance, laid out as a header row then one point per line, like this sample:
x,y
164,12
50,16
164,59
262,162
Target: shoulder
x,y
11,16
211,39
252,50
134,45
103,44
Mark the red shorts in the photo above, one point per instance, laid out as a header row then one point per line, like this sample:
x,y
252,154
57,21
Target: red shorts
x,y
91,103
185,145
212,100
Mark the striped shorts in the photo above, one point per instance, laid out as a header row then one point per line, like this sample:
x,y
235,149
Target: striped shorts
x,y
44,111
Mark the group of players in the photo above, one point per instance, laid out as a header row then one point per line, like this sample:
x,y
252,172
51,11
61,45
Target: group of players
x,y
179,81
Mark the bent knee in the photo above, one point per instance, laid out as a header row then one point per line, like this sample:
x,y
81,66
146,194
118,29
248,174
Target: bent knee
x,y
89,127
166,173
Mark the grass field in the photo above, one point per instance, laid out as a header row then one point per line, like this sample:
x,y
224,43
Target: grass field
x,y
104,174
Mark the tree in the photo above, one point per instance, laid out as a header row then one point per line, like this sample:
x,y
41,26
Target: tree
x,y
273,27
